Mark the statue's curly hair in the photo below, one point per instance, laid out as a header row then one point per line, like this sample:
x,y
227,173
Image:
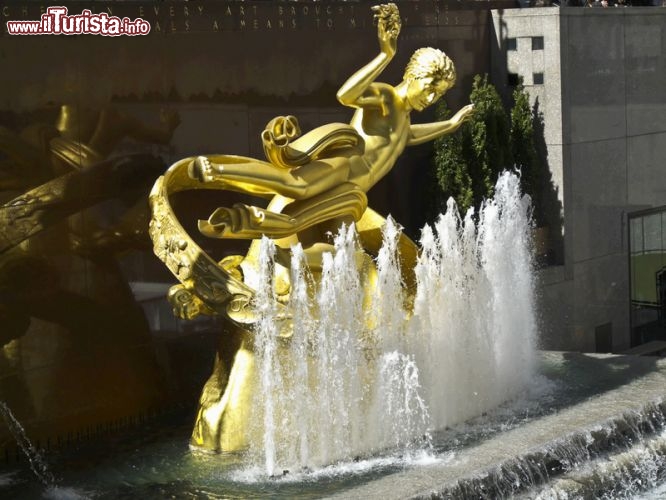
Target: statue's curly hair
x,y
434,63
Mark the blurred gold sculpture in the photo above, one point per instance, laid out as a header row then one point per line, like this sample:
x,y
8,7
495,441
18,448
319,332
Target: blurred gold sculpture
x,y
48,169
315,182
70,203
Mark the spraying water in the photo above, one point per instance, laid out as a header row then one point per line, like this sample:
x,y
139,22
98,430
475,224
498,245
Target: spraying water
x,y
37,463
360,373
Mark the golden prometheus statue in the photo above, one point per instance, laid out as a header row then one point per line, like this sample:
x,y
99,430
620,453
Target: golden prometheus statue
x,y
314,183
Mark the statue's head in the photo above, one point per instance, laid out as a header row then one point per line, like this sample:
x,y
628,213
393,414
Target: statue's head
x,y
429,74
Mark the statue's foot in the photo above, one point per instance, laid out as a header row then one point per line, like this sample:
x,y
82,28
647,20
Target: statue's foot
x,y
247,222
224,221
201,169
220,223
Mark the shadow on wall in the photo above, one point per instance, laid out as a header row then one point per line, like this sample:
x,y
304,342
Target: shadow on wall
x,y
551,206
549,238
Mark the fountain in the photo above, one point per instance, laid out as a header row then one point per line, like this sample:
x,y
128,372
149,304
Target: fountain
x,y
38,465
406,374
345,351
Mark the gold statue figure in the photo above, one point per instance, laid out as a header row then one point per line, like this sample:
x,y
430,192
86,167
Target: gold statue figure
x,y
326,165
314,182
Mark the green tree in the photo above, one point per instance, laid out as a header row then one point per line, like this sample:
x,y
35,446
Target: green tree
x,y
451,173
491,135
468,163
525,155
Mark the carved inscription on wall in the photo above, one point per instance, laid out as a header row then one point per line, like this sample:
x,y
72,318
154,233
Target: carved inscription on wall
x,y
216,16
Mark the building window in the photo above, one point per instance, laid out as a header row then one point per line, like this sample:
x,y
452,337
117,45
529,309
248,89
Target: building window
x,y
513,80
511,44
537,43
537,78
647,275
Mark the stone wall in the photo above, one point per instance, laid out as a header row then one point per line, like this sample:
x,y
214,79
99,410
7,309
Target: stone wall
x,y
228,72
611,155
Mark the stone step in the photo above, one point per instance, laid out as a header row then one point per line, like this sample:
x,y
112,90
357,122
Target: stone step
x,y
599,405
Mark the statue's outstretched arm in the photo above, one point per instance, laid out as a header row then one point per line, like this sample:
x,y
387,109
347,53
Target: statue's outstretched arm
x,y
424,132
357,91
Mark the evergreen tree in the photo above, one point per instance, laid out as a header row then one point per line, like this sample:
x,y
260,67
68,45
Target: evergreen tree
x,y
451,172
468,163
490,138
525,153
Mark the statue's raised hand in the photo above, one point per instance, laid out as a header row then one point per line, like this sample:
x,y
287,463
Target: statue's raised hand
x,y
388,27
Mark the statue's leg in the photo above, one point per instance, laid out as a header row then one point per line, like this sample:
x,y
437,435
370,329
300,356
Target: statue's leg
x,y
207,428
223,419
263,178
249,222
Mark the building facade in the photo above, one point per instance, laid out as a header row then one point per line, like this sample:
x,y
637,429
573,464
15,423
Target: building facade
x,y
597,76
